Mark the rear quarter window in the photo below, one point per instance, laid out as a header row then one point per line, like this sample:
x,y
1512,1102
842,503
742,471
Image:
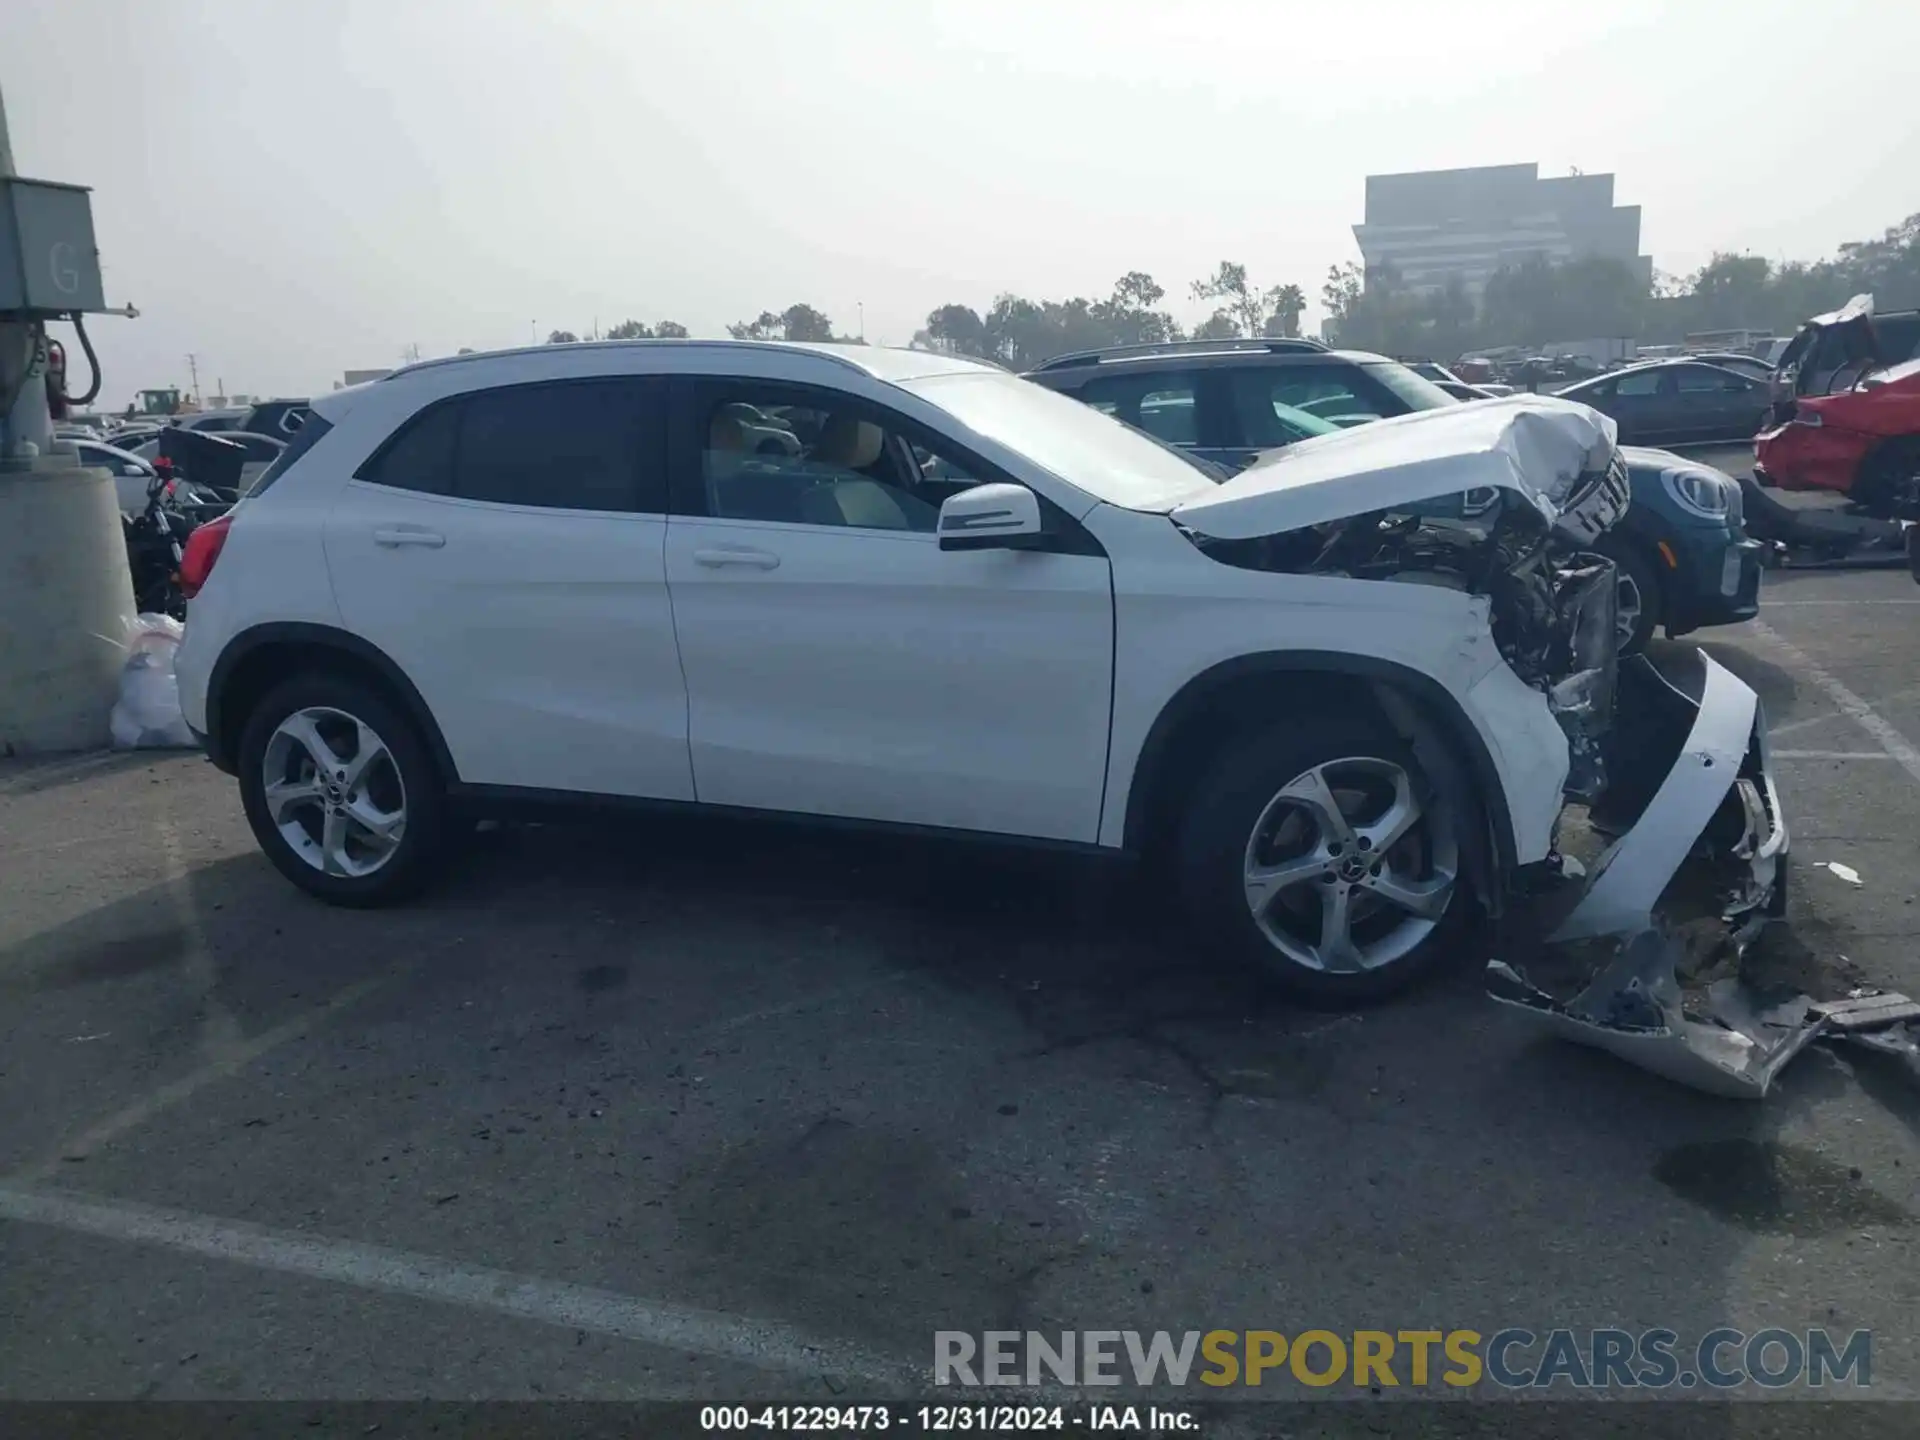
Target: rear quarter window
x,y
302,440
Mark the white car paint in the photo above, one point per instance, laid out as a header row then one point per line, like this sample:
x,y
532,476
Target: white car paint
x,y
860,673
1537,446
516,622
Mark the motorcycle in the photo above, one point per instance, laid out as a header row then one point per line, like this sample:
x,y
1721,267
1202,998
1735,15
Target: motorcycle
x,y
157,539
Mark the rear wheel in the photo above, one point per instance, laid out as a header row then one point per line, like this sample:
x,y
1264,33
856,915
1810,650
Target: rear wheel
x,y
340,790
1320,851
1888,484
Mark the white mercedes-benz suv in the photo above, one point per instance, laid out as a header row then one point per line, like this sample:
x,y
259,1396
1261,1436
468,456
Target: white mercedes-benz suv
x,y
1342,711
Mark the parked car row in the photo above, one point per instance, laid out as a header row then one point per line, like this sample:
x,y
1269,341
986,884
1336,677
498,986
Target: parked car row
x,y
1845,412
1674,402
1685,562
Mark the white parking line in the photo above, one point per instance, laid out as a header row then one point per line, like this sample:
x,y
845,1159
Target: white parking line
x,y
762,1343
1849,704
1884,600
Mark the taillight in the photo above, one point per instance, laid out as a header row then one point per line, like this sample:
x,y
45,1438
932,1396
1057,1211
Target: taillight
x,y
203,548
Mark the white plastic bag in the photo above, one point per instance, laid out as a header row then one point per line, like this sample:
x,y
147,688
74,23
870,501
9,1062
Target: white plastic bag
x,y
147,714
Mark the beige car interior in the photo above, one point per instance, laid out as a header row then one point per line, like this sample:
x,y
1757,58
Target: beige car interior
x,y
829,486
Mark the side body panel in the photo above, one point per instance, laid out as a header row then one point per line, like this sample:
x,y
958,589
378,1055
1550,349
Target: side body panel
x,y
1178,615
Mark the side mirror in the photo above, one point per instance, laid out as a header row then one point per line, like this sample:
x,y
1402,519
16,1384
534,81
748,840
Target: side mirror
x,y
990,517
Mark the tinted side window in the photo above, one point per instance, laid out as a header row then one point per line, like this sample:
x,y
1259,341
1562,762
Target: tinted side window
x,y
1165,405
1644,382
1339,393
1696,379
298,446
573,446
420,457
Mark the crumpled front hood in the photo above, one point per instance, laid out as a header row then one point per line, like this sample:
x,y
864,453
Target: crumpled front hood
x,y
1537,446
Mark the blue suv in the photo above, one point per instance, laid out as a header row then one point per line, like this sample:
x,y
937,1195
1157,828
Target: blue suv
x,y
1684,559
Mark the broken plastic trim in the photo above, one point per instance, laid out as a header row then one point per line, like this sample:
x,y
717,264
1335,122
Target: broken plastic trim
x,y
1736,1041
1716,804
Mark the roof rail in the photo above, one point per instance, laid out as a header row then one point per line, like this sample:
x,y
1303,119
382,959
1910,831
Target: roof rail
x,y
578,346
1291,345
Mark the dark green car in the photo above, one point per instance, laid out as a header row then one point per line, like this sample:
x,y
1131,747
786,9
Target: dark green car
x,y
1685,562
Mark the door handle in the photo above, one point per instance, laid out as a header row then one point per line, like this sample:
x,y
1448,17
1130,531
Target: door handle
x,y
408,535
752,559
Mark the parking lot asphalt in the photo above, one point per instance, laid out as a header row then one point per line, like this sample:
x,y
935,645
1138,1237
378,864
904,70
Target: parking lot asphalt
x,y
714,1109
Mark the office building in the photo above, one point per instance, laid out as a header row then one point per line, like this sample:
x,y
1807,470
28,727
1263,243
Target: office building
x,y
1433,227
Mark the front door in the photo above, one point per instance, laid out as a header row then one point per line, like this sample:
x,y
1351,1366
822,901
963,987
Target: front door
x,y
1642,405
838,662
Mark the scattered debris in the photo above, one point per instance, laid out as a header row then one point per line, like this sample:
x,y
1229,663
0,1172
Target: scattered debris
x,y
1654,959
83,1039
1728,1038
445,1199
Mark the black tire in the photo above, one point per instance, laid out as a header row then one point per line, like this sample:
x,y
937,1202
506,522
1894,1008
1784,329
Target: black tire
x,y
1217,828
1636,568
413,859
1888,484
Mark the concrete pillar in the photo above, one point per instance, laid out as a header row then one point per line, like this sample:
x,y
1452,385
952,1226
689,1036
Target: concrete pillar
x,y
65,606
66,599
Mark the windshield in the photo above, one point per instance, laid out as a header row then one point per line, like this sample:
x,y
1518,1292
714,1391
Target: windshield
x,y
1416,391
1090,451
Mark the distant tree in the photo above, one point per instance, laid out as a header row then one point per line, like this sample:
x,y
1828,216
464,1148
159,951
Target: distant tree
x,y
957,330
464,350
630,330
1340,295
796,322
1218,326
1288,304
563,337
670,330
803,322
766,327
1240,301
1253,311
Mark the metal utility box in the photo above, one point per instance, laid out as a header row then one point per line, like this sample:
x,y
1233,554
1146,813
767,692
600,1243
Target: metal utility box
x,y
48,262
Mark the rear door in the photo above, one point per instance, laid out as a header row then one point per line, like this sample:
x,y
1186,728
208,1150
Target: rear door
x,y
506,547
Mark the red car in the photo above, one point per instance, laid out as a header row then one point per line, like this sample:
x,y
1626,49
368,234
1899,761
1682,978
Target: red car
x,y
1863,442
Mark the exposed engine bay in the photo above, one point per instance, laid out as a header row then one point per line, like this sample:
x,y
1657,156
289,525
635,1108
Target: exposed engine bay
x,y
1667,767
1552,603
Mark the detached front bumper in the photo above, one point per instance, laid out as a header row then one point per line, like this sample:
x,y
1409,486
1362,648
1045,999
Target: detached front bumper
x,y
1695,817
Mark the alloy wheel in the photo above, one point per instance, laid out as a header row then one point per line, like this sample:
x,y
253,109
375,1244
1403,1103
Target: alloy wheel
x,y
1347,869
1629,606
333,790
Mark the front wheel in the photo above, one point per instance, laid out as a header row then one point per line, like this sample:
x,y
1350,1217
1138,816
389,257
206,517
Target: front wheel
x,y
1320,850
1638,588
340,791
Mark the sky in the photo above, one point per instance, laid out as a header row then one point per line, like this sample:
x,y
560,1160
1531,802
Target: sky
x,y
287,189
